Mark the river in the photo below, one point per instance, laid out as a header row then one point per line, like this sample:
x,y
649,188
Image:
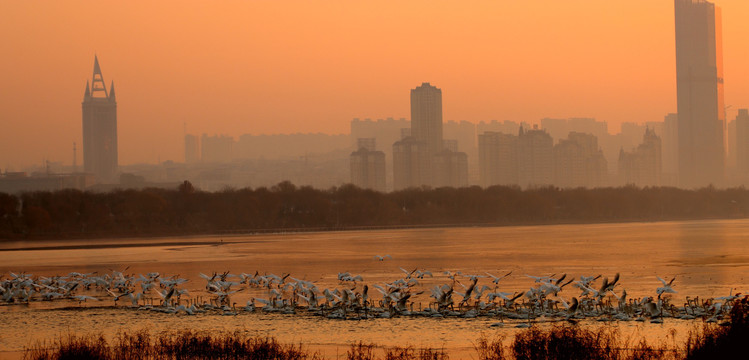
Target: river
x,y
707,258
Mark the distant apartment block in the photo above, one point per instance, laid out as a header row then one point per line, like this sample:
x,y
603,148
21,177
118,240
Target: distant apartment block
x,y
409,164
385,131
730,136
192,149
579,162
559,128
216,149
463,132
426,117
450,144
506,127
498,159
742,144
670,150
368,166
366,143
642,166
291,146
535,158
450,168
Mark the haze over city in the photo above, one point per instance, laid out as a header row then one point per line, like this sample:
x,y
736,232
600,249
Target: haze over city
x,y
241,67
385,180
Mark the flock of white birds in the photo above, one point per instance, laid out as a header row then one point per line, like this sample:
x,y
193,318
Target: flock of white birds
x,y
460,295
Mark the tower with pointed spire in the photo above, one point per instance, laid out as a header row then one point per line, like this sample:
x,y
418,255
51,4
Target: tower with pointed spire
x,y
100,128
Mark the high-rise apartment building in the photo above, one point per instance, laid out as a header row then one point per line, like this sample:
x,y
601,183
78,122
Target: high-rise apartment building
x,y
192,149
368,166
535,158
699,93
742,144
559,128
216,149
386,131
643,165
579,162
99,109
426,117
670,150
419,158
409,164
498,159
450,168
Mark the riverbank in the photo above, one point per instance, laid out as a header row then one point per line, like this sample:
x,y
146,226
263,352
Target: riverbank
x,y
72,214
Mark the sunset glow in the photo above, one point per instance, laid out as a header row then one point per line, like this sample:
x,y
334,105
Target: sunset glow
x,y
264,67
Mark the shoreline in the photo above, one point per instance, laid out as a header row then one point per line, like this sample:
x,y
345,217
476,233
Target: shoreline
x,y
131,241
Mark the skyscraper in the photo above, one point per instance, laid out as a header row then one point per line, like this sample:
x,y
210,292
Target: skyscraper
x,y
99,128
699,93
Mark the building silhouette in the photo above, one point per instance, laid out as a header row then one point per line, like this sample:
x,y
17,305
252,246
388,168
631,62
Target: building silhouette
x,y
216,149
670,150
418,158
535,158
450,168
99,110
730,136
368,166
699,93
579,162
498,159
642,166
410,161
192,149
560,128
742,144
385,131
426,117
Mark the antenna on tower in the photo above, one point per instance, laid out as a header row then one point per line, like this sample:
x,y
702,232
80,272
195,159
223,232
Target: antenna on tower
x,y
75,159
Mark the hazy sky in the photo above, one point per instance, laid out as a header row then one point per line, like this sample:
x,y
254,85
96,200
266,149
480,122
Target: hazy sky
x,y
263,67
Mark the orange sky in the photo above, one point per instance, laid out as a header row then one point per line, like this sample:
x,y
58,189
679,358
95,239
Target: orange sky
x,y
264,67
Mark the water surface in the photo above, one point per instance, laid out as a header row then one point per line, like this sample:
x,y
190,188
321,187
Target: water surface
x,y
708,259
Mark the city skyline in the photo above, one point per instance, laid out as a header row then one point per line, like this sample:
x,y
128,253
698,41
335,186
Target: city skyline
x,y
234,72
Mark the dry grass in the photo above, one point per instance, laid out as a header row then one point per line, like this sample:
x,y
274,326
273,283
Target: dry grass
x,y
167,346
490,349
362,351
722,341
557,343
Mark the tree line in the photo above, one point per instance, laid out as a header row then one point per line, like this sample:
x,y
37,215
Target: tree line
x,y
186,210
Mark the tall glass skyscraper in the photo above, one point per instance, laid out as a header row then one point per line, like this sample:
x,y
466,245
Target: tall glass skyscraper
x,y
699,93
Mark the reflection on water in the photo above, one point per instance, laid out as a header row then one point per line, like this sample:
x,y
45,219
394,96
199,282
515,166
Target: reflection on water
x,y
707,258
704,245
